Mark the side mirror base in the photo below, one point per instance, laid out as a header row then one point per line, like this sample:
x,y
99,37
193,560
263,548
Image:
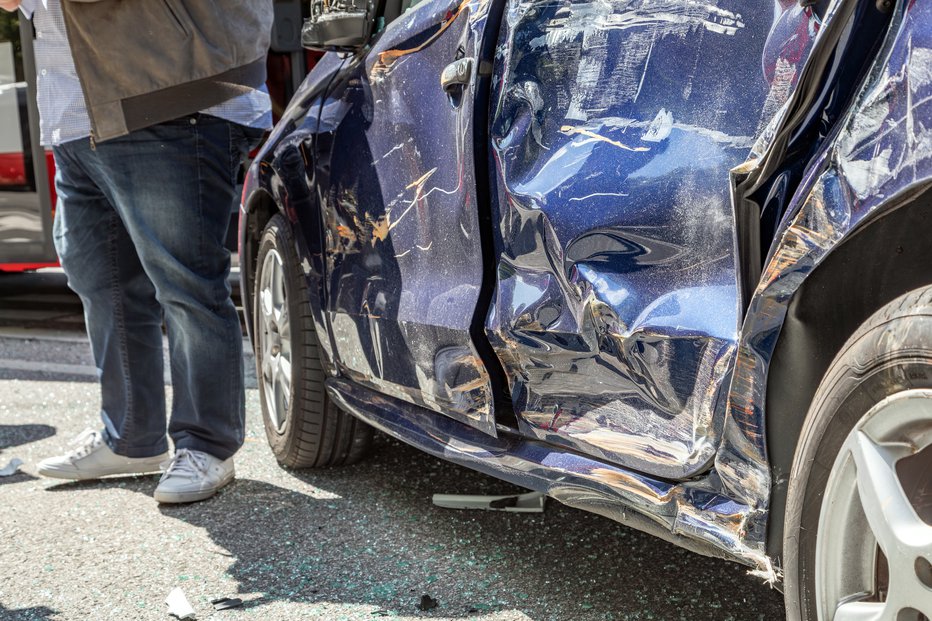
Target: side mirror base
x,y
341,29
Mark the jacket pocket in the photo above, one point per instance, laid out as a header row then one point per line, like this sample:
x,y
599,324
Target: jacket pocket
x,y
178,16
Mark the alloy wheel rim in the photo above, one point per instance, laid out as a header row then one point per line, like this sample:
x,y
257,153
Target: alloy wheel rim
x,y
874,543
274,336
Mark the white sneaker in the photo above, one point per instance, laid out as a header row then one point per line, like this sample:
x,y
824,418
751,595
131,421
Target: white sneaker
x,y
93,459
192,475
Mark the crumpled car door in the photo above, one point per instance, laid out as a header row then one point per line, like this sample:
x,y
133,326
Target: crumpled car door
x,y
614,129
400,213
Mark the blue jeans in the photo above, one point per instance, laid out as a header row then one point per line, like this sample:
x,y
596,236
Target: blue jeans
x,y
140,229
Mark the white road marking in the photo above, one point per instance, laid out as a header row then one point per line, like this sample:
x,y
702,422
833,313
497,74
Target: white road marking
x,y
48,367
38,334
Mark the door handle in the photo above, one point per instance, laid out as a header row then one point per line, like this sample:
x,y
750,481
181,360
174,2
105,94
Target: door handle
x,y
456,76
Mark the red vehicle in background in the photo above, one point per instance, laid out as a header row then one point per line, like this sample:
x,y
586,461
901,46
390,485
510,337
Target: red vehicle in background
x,y
27,171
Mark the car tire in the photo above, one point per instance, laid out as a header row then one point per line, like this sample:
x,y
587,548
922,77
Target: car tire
x,y
305,429
852,469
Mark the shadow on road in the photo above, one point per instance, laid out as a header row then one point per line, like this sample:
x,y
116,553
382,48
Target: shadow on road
x,y
40,300
16,435
19,477
37,613
142,484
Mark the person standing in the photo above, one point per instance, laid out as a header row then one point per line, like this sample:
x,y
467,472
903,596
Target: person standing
x,y
150,108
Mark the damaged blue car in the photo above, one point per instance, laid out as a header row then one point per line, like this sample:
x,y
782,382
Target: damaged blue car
x,y
669,261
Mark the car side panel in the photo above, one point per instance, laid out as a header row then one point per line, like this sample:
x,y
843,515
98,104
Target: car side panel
x,y
615,127
404,259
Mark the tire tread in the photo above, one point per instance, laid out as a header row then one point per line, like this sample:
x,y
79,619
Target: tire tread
x,y
897,336
317,434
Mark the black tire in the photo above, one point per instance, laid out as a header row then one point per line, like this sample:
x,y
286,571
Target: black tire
x,y
890,353
315,433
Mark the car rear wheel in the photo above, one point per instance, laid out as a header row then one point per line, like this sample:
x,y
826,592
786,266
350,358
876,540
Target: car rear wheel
x,y
304,427
858,543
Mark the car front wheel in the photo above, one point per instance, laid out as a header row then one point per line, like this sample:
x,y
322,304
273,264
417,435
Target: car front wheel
x,y
304,427
858,542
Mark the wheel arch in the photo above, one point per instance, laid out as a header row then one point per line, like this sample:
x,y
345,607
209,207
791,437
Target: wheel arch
x,y
258,209
883,258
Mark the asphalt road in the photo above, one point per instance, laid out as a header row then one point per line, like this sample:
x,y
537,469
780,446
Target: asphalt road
x,y
362,542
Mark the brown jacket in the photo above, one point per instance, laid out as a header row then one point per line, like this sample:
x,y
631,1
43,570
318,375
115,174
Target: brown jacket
x,y
143,62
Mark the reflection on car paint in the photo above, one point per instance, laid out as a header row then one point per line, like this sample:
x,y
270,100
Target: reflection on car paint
x,y
616,314
785,52
292,188
403,261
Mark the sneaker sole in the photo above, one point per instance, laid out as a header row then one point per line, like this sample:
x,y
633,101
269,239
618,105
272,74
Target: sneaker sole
x,y
176,498
76,475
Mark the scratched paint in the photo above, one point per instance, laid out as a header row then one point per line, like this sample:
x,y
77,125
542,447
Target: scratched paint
x,y
597,25
615,127
399,212
440,16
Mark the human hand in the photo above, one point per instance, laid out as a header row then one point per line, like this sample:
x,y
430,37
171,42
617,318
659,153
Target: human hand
x,y
9,5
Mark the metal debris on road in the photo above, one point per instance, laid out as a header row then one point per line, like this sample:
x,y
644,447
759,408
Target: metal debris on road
x,y
178,604
427,603
11,468
225,603
532,502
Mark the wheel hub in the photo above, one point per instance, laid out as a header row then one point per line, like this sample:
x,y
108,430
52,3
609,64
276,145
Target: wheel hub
x,y
874,545
273,336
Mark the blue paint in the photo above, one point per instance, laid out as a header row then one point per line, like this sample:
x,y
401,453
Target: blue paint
x,y
619,335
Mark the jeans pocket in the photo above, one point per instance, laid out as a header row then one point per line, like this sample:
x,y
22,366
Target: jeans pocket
x,y
243,140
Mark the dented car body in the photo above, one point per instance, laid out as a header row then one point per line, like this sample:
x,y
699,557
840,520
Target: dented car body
x,y
614,262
